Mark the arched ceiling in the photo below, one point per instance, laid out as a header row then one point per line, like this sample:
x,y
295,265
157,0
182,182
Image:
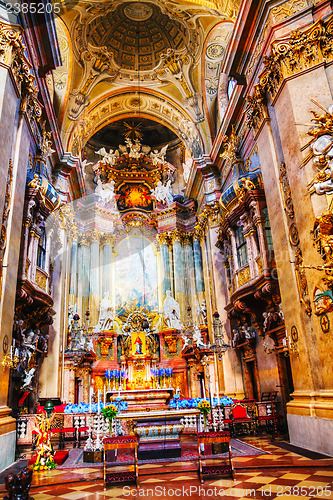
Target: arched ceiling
x,y
122,48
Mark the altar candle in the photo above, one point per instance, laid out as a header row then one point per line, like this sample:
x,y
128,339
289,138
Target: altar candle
x,y
104,395
99,402
90,397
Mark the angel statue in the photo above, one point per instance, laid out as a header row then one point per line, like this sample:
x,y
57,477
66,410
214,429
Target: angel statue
x,y
108,157
158,156
171,312
197,336
29,375
105,192
135,149
163,193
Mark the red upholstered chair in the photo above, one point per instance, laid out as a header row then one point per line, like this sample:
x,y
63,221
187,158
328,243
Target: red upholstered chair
x,y
209,470
116,443
241,420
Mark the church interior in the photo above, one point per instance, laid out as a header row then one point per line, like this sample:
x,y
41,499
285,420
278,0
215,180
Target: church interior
x,y
166,249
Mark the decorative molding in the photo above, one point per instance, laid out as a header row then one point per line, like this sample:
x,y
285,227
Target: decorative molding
x,y
171,341
286,191
106,343
300,52
12,54
5,215
302,283
276,15
41,279
243,276
117,106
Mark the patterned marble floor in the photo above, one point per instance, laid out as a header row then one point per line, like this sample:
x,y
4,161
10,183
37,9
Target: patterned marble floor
x,y
280,474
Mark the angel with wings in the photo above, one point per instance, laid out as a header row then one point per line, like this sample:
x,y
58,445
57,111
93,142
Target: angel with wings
x,y
158,156
108,157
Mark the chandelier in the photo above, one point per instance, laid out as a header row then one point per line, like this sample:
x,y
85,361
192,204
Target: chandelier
x,y
220,346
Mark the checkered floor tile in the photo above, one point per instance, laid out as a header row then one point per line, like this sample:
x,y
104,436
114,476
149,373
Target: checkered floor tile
x,y
281,475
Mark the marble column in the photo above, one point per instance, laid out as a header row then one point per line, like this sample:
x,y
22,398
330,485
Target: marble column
x,y
73,284
165,268
107,274
178,266
190,279
94,273
198,266
83,277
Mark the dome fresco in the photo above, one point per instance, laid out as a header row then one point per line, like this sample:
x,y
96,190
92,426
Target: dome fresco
x,y
137,35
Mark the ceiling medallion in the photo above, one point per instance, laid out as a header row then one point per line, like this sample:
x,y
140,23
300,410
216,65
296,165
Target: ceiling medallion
x,y
215,51
137,11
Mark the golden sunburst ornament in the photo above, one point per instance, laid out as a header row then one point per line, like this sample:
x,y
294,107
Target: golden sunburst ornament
x,y
133,131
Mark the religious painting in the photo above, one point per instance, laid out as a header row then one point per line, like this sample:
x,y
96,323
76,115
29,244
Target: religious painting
x,y
136,275
133,196
138,343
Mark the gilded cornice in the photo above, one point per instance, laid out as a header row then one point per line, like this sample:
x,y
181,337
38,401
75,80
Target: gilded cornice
x,y
298,53
12,55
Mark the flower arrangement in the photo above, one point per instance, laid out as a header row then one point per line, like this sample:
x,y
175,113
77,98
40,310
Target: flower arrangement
x,y
109,412
204,408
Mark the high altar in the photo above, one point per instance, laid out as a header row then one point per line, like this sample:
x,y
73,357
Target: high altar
x,y
137,324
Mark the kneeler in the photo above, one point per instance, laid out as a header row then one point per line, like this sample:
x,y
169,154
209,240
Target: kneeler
x,y
210,470
116,443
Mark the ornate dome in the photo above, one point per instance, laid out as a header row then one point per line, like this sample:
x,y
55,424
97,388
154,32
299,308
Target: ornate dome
x,y
137,34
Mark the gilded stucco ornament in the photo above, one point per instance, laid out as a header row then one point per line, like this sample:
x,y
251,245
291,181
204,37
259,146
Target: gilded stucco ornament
x,y
115,107
301,51
322,150
286,192
12,54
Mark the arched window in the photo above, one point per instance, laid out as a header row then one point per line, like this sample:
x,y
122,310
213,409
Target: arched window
x,y
41,252
241,248
268,231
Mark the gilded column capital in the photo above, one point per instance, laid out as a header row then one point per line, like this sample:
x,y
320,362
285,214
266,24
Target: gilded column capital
x,y
84,239
179,235
199,232
107,239
95,236
164,238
